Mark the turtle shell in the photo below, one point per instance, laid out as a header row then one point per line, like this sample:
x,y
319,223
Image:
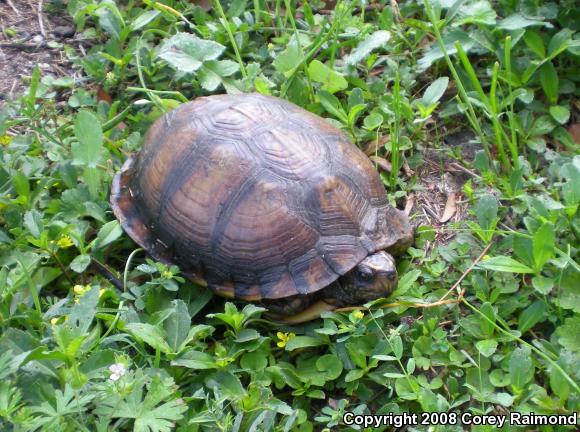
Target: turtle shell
x,y
255,197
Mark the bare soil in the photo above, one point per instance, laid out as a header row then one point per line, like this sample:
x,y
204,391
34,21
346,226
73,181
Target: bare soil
x,y
438,200
26,30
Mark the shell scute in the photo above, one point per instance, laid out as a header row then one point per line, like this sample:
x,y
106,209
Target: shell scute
x,y
291,153
259,232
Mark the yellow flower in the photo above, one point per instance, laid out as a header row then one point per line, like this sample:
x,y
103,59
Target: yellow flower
x,y
358,314
54,321
5,140
284,338
64,242
81,290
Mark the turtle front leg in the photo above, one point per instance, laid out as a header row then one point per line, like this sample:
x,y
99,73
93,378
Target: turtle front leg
x,y
303,308
312,312
297,309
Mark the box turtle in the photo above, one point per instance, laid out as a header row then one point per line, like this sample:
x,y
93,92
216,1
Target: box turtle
x,y
261,200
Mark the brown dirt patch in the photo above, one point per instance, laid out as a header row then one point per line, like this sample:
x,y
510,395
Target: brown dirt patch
x,y
438,200
24,43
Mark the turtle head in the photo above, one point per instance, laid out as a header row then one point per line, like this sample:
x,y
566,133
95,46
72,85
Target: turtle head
x,y
373,278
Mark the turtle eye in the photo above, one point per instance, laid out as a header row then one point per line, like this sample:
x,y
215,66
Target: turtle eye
x,y
364,276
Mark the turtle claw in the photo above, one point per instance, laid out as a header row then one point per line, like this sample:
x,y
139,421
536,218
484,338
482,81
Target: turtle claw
x,y
312,312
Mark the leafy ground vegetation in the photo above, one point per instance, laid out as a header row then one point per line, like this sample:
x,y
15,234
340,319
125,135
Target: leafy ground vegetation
x,y
97,337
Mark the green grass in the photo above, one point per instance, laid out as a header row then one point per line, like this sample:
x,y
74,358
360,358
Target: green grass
x,y
97,336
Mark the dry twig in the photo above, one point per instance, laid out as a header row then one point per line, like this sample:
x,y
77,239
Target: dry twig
x,y
426,215
465,170
440,302
21,45
431,212
466,272
16,11
39,15
104,271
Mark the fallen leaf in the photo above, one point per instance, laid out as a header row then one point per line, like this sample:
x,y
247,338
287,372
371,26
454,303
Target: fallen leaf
x,y
377,71
373,146
450,208
407,169
382,163
409,204
102,95
574,131
205,5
